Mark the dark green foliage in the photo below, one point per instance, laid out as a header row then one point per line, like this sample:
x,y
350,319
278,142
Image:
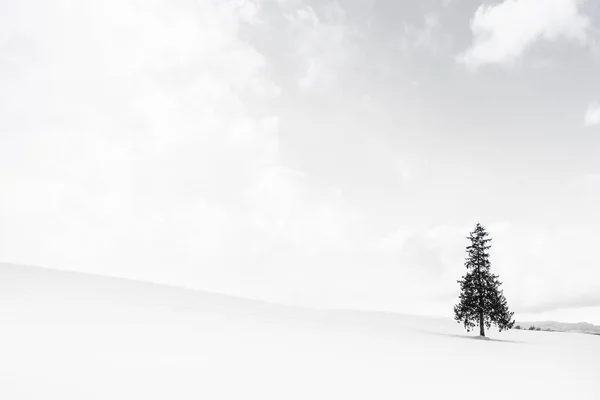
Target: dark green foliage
x,y
532,328
518,327
481,300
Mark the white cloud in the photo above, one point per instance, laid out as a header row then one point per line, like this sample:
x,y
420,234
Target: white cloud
x,y
503,32
140,140
303,17
404,171
592,180
314,71
320,43
539,269
275,195
286,207
421,37
147,140
592,115
133,132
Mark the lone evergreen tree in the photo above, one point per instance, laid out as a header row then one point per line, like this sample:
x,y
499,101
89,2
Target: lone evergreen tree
x,y
481,300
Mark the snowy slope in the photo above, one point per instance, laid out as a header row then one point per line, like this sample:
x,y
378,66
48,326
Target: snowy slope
x,y
73,336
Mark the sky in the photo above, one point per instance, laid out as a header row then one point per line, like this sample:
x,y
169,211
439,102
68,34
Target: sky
x,y
319,153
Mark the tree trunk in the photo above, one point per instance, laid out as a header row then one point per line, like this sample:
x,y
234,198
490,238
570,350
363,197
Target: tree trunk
x,y
481,328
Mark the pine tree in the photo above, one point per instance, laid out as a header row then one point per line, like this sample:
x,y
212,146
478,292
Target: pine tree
x,y
481,300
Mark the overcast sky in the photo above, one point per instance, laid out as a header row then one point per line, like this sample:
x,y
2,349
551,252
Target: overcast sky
x,y
331,154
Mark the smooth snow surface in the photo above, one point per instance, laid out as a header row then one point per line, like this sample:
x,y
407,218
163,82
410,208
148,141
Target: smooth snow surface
x,y
73,336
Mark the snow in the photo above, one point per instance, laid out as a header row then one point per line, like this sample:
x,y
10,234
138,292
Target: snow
x,y
73,336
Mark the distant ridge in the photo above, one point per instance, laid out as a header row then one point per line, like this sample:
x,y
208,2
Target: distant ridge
x,y
555,326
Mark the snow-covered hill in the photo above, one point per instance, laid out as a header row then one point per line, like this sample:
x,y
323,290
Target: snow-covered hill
x,y
74,336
